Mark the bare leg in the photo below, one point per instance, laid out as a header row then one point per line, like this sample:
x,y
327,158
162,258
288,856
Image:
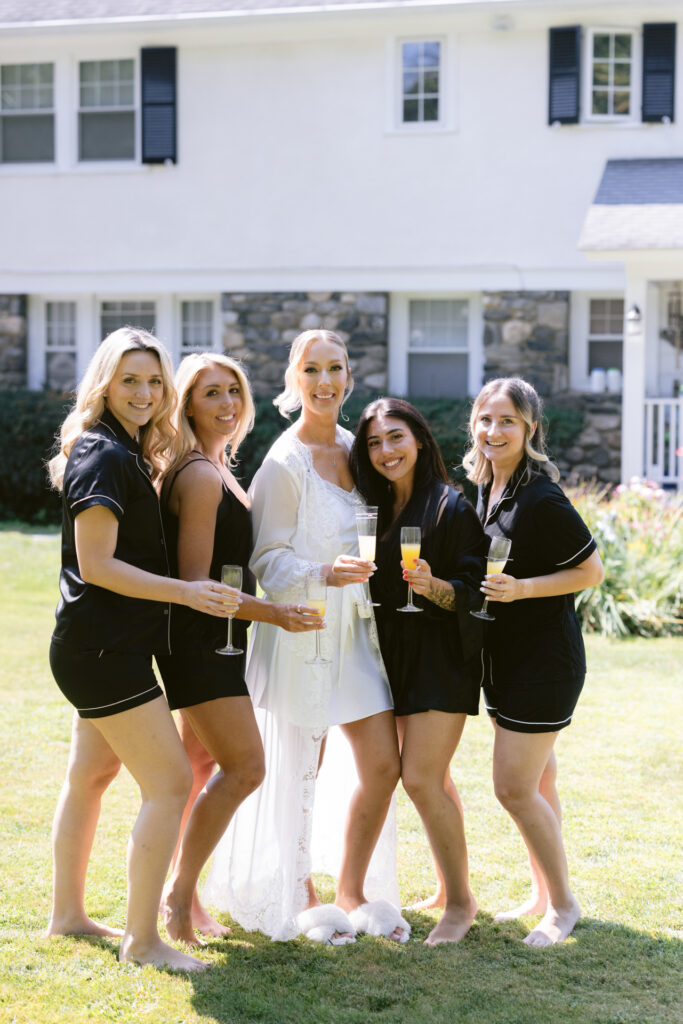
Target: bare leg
x,y
439,897
147,742
537,903
227,729
92,767
203,766
430,740
375,749
519,760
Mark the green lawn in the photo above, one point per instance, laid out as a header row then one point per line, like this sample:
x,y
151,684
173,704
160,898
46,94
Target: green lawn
x,y
622,828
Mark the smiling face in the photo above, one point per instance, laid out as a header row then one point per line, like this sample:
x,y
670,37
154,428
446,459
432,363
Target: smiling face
x,y
321,377
216,403
500,432
393,449
136,390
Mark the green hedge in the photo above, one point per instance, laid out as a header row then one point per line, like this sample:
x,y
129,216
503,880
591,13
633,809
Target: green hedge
x,y
29,422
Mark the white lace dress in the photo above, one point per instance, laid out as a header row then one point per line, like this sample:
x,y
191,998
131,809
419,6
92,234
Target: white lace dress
x,y
260,867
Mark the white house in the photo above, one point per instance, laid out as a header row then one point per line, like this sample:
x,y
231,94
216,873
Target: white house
x,y
461,187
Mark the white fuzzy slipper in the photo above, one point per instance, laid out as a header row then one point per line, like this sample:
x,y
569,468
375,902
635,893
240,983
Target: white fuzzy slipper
x,y
379,918
320,924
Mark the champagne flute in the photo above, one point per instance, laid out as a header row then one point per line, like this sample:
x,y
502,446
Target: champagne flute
x,y
366,525
316,597
231,575
411,539
495,562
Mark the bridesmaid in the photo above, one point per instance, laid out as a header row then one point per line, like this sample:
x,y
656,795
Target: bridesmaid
x,y
112,616
432,657
534,663
208,525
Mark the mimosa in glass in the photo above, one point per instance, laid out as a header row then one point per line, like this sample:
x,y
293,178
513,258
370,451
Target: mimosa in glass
x,y
411,539
231,575
495,562
316,597
366,525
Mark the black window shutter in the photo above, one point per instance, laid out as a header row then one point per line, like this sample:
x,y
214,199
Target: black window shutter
x,y
158,64
659,71
565,75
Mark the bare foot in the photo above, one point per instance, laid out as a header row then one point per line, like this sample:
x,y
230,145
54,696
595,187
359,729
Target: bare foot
x,y
81,926
203,922
536,904
159,954
178,921
453,926
437,901
555,926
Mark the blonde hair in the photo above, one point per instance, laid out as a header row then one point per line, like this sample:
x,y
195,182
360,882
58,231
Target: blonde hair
x,y
290,399
529,407
185,381
155,437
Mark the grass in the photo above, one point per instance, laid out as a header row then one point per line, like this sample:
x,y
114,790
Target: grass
x,y
619,791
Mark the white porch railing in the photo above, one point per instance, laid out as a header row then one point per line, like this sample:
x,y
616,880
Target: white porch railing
x,y
664,440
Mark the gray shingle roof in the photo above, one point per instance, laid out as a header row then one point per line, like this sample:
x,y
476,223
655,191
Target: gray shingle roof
x,y
638,206
16,12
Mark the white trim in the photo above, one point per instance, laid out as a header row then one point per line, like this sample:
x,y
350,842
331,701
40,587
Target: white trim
x,y
134,696
579,331
89,496
571,557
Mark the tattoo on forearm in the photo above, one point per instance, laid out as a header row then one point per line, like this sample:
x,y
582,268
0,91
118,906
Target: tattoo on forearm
x,y
442,594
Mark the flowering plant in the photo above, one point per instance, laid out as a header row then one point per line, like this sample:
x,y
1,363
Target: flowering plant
x,y
638,528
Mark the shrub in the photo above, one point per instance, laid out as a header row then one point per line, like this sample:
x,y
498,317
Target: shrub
x,y
639,532
30,420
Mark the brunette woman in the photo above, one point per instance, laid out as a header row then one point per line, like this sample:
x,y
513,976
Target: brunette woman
x,y
432,656
534,663
113,615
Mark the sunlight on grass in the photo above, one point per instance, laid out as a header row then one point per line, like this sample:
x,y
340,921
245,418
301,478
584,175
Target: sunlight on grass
x,y
619,788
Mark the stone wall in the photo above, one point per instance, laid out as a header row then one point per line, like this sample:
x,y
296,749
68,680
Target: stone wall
x,y
527,333
13,341
259,327
596,453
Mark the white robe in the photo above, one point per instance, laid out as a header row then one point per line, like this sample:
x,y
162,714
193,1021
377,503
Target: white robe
x,y
294,822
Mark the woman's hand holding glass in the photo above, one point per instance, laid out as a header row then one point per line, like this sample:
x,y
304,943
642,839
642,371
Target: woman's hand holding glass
x,y
348,569
420,578
211,597
298,618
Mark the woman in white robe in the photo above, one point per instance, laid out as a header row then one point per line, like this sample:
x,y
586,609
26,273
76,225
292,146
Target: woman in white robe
x,y
303,508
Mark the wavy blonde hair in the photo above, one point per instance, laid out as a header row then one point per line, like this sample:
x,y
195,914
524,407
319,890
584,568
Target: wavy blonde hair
x,y
155,438
290,399
185,381
529,407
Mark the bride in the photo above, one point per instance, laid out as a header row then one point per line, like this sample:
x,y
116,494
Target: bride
x,y
303,508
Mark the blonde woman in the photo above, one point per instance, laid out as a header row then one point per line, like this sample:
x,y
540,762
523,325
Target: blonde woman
x,y
534,659
112,616
208,525
303,509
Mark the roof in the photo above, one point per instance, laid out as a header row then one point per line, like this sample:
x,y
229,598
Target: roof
x,y
638,205
43,12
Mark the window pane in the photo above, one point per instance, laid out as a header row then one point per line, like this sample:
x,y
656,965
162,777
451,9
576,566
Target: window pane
x,y
431,110
430,56
431,82
601,46
411,55
27,139
437,376
622,73
107,83
438,323
60,370
605,355
60,324
601,74
26,86
622,46
410,82
600,105
122,314
622,102
615,316
197,325
107,136
410,110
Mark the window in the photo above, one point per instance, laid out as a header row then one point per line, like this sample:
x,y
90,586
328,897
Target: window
x,y
106,119
127,314
438,348
605,334
196,327
610,74
421,71
60,342
27,120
